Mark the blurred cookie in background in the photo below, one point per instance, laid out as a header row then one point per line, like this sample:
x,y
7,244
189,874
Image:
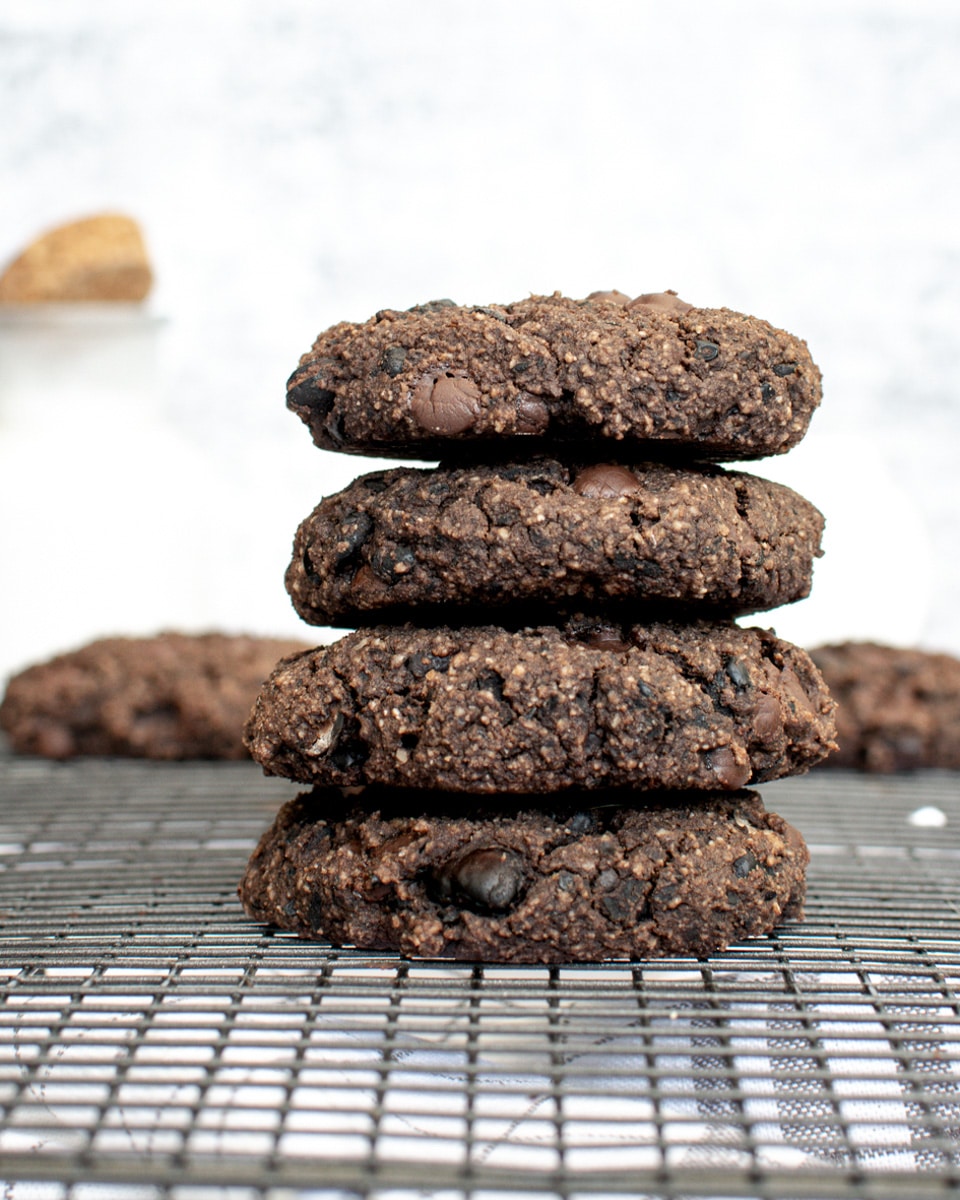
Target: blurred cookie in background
x,y
173,696
897,708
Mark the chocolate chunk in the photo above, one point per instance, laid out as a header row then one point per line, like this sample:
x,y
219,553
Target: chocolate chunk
x,y
730,774
614,296
605,481
604,637
667,301
532,415
487,880
446,405
767,723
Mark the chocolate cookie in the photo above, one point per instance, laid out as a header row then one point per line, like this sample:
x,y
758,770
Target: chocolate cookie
x,y
173,696
537,710
897,709
608,875
656,373
547,531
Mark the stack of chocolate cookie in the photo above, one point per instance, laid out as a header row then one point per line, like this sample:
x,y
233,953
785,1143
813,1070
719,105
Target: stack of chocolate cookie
x,y
534,746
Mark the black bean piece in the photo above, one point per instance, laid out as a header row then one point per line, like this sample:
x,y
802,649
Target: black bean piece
x,y
420,664
392,360
782,369
708,351
738,672
743,865
311,395
354,531
390,563
432,306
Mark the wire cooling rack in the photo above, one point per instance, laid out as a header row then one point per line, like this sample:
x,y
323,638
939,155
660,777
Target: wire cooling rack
x,y
156,1043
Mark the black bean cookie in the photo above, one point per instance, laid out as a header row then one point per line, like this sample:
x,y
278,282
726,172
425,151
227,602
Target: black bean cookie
x,y
546,531
486,709
173,696
897,708
656,373
608,875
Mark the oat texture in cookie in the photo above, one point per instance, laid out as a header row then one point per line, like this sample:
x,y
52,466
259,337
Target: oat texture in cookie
x,y
602,875
541,709
546,530
663,377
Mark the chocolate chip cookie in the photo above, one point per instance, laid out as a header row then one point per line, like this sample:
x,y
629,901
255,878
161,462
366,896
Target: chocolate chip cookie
x,y
605,875
548,531
537,710
173,696
897,708
654,373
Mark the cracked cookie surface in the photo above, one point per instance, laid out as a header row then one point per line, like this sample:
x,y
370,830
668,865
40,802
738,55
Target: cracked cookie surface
x,y
609,875
663,378
172,696
492,535
538,710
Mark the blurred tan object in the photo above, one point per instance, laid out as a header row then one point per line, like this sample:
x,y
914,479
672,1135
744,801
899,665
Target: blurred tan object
x,y
97,258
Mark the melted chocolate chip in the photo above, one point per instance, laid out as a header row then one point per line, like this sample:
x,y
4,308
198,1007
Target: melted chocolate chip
x,y
605,481
730,774
667,301
450,404
486,880
766,722
532,415
614,296
606,638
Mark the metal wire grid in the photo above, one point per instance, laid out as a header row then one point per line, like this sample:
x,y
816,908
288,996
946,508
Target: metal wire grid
x,y
154,1042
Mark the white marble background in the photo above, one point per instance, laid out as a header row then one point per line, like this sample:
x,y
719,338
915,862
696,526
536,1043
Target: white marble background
x,y
298,162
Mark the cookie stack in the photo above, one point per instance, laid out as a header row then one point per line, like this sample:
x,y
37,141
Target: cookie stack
x,y
534,746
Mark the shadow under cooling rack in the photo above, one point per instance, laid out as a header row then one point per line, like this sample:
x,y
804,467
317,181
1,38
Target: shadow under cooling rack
x,y
154,1042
